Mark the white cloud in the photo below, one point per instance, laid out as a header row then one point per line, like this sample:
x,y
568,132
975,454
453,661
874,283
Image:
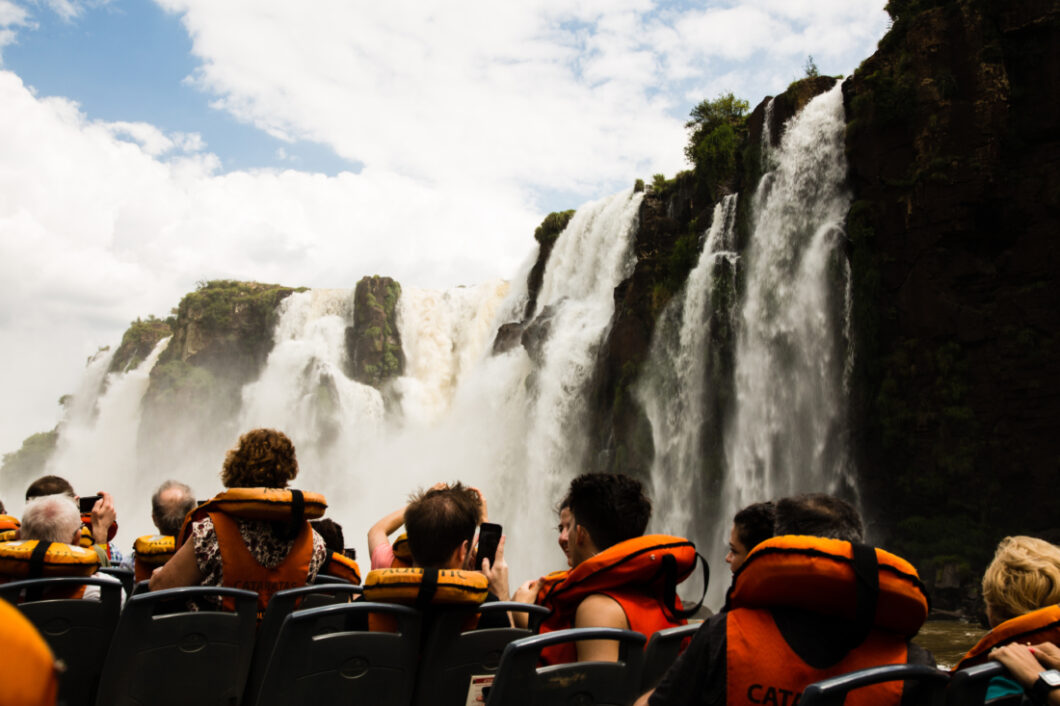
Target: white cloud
x,y
96,230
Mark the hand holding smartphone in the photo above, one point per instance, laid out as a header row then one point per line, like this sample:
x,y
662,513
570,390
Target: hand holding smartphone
x,y
489,535
87,502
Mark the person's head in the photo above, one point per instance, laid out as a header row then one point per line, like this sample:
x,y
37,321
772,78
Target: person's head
x,y
49,485
817,515
169,505
750,526
606,508
263,458
440,524
331,532
1024,576
3,510
565,520
51,518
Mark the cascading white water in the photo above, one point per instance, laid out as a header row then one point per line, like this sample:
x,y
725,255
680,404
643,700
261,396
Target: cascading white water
x,y
576,303
673,391
787,434
444,335
96,449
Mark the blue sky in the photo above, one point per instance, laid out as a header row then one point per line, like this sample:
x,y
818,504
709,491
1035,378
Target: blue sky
x,y
151,144
127,61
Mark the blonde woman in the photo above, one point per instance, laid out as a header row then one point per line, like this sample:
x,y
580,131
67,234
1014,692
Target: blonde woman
x,y
1021,589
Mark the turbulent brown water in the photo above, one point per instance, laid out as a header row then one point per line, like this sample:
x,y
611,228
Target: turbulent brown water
x,y
948,640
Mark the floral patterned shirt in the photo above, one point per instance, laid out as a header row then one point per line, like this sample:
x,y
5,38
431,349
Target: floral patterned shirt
x,y
267,548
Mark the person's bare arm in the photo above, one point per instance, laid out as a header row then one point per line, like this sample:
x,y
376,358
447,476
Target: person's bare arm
x,y
599,611
527,593
381,531
103,516
181,570
643,700
1024,666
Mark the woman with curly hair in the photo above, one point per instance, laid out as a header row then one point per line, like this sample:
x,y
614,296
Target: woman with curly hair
x,y
222,548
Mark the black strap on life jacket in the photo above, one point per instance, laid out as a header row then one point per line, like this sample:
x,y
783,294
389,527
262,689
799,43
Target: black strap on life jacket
x,y
297,514
428,587
669,572
36,569
867,586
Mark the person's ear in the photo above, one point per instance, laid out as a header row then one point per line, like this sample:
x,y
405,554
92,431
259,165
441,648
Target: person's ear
x,y
464,552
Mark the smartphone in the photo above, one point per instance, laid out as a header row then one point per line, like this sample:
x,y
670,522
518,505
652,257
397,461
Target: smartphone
x,y
489,534
87,502
350,553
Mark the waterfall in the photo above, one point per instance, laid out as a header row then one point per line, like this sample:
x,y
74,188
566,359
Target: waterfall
x,y
788,434
575,305
674,388
96,449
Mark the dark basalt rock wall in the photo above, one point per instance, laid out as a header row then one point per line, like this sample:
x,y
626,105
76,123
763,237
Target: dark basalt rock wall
x,y
955,166
373,343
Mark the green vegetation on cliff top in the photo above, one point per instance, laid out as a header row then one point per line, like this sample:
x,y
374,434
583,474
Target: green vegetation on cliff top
x,y
138,341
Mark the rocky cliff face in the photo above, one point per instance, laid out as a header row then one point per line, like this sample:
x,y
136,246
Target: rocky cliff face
x,y
955,165
222,335
373,343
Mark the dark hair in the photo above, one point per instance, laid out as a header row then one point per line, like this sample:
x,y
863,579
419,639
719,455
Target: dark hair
x,y
754,524
169,516
331,532
3,510
612,507
438,521
49,485
818,515
264,458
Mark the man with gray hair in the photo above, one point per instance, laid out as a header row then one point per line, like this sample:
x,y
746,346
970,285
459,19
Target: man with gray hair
x,y
170,504
51,518
55,519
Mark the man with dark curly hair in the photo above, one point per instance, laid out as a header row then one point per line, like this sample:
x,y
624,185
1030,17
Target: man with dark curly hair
x,y
225,549
607,510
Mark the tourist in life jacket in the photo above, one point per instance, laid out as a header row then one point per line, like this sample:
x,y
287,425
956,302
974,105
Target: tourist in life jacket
x,y
615,578
441,524
797,613
1021,590
750,527
380,550
338,563
170,504
98,526
56,519
565,522
221,547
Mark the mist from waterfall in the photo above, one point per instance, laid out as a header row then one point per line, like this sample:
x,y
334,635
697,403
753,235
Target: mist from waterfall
x,y
96,449
506,423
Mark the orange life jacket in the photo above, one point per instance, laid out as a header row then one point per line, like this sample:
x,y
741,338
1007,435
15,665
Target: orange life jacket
x,y
150,552
271,504
28,676
86,533
634,573
343,567
241,570
422,588
9,525
28,559
818,576
402,553
1042,625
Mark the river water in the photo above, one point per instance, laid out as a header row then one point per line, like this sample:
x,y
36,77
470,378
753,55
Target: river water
x,y
948,640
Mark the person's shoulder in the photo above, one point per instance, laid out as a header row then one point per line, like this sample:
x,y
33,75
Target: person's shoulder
x,y
600,610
